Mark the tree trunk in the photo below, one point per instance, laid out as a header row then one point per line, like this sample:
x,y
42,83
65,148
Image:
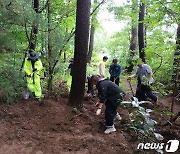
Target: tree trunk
x,y
176,70
133,46
64,56
43,41
34,31
141,32
177,61
133,40
91,44
80,54
50,61
178,38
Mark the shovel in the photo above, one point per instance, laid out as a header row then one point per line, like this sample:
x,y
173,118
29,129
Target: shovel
x,y
131,88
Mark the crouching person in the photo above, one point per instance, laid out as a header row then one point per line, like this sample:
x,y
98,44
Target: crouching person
x,y
32,69
111,95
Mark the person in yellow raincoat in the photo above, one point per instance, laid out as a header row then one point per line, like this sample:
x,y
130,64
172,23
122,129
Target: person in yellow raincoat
x,y
32,69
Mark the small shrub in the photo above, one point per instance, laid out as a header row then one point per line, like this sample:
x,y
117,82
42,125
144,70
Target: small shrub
x,y
140,120
11,84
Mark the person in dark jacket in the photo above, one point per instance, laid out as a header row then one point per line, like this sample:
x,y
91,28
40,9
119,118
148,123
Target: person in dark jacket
x,y
111,95
114,71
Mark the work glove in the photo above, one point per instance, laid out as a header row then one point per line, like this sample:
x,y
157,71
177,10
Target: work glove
x,y
98,112
129,78
151,81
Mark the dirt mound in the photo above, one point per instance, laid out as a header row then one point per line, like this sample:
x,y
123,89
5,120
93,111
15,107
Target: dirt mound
x,y
27,128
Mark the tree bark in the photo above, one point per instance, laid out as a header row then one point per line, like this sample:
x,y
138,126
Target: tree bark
x,y
178,38
80,54
50,61
34,31
91,45
176,69
133,46
64,56
133,40
141,32
177,61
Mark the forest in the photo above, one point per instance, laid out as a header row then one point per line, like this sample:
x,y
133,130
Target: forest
x,y
52,111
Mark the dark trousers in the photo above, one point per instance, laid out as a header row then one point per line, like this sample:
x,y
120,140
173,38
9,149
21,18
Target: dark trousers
x,y
110,113
143,92
115,79
90,86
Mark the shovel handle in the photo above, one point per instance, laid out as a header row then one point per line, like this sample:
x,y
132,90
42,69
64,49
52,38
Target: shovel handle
x,y
131,87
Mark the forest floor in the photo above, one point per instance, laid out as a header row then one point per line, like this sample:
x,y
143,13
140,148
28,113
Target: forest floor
x,y
27,128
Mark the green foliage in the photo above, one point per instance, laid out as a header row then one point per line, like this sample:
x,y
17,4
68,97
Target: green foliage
x,y
92,68
13,15
168,113
164,46
11,84
162,12
160,35
16,19
129,11
115,46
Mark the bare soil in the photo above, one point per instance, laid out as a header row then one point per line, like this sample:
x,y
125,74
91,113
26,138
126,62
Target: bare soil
x,y
55,128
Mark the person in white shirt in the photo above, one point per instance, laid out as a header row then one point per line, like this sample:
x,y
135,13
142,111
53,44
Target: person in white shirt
x,y
102,66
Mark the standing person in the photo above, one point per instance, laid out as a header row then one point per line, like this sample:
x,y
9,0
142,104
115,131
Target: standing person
x,y
70,67
102,66
111,95
115,70
144,76
43,52
32,69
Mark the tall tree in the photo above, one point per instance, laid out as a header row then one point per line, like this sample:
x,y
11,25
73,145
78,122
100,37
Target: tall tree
x,y
176,64
176,71
141,31
94,12
80,54
133,41
91,44
34,31
50,60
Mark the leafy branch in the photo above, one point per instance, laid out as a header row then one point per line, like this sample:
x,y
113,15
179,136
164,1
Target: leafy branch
x,y
170,12
45,6
97,6
159,64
